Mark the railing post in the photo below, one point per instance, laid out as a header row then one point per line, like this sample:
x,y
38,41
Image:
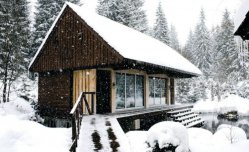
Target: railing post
x,y
73,131
77,114
92,100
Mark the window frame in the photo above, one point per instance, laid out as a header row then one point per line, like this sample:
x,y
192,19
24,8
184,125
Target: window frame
x,y
135,90
161,92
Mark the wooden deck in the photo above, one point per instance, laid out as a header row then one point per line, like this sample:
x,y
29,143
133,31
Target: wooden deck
x,y
150,111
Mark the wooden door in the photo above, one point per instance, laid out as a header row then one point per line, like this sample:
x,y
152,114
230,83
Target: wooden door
x,y
103,91
84,81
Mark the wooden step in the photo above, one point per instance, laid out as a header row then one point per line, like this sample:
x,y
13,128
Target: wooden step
x,y
182,114
195,123
190,120
178,111
187,117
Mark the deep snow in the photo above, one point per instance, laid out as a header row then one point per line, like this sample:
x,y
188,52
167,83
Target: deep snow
x,y
200,140
232,102
169,132
19,134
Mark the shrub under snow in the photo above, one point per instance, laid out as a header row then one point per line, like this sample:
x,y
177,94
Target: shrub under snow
x,y
167,133
229,134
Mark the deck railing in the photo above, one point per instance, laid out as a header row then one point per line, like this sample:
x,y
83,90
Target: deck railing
x,y
77,115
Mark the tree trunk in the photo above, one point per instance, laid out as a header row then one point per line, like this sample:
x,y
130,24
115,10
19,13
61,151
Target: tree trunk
x,y
8,94
4,89
212,92
5,77
10,83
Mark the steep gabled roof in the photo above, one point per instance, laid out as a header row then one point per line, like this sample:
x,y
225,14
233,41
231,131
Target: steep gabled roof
x,y
130,43
241,20
243,28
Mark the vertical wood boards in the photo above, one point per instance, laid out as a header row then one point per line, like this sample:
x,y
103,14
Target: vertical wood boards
x,y
73,44
84,81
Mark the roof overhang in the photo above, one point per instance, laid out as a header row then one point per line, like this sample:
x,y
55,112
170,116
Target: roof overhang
x,y
243,29
153,69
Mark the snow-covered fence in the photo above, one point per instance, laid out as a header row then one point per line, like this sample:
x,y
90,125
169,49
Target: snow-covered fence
x,y
77,114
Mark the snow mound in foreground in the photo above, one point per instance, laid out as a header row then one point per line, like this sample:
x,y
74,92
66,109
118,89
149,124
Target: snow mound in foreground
x,y
138,140
27,136
199,135
229,134
17,107
168,132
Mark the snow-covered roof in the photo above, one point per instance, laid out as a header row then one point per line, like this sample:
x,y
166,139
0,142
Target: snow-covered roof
x,y
241,13
130,43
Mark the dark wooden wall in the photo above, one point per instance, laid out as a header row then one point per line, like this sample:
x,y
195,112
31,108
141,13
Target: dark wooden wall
x,y
73,44
54,94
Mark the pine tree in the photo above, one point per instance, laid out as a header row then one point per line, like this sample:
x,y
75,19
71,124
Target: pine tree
x,y
189,47
138,18
14,42
227,55
173,39
47,12
160,30
226,49
202,46
129,13
198,51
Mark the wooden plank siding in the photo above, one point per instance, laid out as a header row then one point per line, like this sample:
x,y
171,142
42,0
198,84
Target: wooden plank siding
x,y
73,44
54,94
84,81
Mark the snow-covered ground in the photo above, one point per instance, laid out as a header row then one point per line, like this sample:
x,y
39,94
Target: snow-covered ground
x,y
19,134
200,140
232,102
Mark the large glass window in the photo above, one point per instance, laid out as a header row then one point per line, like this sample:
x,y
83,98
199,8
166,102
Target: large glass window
x,y
120,91
129,91
157,91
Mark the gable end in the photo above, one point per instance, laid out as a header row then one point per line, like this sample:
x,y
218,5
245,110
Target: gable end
x,y
73,44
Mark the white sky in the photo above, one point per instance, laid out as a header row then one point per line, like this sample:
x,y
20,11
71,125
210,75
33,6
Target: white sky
x,y
185,13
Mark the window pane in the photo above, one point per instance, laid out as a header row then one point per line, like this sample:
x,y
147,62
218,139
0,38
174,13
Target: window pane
x,y
120,91
163,91
151,91
130,91
139,91
157,91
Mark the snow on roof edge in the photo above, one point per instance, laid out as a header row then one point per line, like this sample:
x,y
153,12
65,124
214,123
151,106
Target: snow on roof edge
x,y
92,21
47,35
241,14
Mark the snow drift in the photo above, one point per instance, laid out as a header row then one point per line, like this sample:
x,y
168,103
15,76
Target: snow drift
x,y
169,133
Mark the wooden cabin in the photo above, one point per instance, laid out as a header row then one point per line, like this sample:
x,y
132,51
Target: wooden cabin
x,y
243,29
124,69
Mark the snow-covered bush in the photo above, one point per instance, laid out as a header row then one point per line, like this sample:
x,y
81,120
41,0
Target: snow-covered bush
x,y
229,134
168,134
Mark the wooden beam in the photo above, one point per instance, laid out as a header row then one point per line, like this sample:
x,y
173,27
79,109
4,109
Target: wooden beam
x,y
113,91
146,91
172,91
